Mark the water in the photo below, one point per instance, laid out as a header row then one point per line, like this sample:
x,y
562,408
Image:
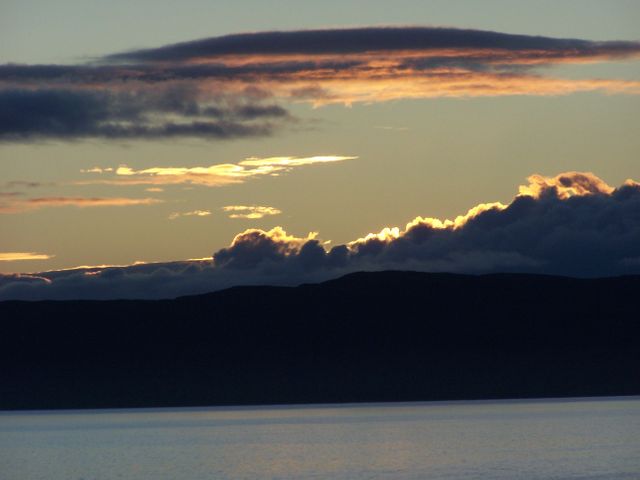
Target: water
x,y
515,440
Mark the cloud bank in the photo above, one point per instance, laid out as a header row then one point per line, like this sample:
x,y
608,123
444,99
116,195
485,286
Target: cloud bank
x,y
231,86
571,224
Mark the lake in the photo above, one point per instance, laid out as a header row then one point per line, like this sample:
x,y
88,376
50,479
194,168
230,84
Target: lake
x,y
587,439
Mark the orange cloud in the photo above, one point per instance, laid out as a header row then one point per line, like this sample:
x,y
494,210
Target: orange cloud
x,y
372,89
194,213
566,185
96,170
214,175
288,162
250,211
390,74
19,256
80,202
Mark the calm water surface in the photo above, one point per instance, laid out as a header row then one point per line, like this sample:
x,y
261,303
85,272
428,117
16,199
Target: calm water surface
x,y
557,439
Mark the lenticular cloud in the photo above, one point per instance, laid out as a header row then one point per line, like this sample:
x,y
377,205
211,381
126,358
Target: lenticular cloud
x,y
572,224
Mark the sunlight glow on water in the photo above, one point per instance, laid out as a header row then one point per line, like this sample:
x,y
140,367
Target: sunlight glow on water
x,y
527,440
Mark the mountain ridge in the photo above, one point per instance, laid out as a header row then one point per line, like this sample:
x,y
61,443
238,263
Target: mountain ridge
x,y
366,336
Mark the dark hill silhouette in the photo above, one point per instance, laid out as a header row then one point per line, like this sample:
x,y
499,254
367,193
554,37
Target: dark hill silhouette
x,y
387,336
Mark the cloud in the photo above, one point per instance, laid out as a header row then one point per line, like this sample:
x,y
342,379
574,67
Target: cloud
x,y
288,162
19,256
95,113
213,175
250,211
254,246
97,170
17,206
565,185
229,87
570,224
193,213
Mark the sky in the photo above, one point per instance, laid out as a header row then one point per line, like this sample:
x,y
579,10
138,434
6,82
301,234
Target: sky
x,y
146,136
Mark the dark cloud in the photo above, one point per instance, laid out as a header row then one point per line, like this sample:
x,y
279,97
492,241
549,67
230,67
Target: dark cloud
x,y
573,224
72,114
580,236
258,111
88,75
359,40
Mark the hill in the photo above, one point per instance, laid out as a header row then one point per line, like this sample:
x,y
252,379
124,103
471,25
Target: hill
x,y
385,336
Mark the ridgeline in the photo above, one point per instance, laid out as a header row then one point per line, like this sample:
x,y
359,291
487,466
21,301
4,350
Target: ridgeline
x,y
386,336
